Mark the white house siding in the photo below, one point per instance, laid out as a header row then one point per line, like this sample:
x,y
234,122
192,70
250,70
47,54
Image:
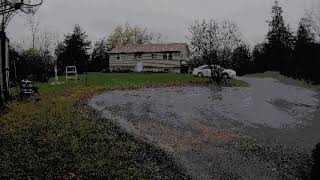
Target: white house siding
x,y
158,64
150,57
126,62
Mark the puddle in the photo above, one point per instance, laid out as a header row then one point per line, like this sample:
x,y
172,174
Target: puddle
x,y
201,126
267,103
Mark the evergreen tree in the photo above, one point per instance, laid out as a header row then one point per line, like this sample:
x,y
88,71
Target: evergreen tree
x,y
260,59
241,60
74,51
14,57
303,50
304,33
99,58
279,41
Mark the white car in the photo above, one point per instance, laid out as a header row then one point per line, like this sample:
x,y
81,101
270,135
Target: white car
x,y
205,71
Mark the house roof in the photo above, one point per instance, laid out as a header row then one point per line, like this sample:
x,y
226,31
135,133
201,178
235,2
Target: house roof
x,y
150,48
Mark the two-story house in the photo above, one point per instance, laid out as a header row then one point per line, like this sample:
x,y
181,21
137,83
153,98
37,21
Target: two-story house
x,y
150,58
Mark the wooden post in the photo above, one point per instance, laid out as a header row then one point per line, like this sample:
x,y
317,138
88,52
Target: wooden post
x,y
56,74
4,46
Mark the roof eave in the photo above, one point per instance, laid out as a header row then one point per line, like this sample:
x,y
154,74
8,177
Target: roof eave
x,y
142,52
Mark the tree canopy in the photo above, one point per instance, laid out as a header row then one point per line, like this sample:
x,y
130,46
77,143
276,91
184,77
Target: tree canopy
x,y
279,39
212,42
73,51
295,55
131,35
213,36
305,53
314,17
31,64
99,57
241,58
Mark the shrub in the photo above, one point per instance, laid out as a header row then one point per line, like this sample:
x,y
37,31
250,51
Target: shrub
x,y
34,65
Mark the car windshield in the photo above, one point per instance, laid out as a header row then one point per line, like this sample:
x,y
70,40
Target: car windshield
x,y
203,67
216,66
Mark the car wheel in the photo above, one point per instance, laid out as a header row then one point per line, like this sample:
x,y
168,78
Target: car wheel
x,y
225,76
200,74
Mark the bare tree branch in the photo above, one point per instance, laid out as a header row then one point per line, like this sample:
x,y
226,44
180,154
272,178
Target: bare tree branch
x,y
213,42
314,16
132,35
33,25
47,41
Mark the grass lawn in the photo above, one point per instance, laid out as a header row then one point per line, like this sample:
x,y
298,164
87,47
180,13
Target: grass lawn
x,y
54,135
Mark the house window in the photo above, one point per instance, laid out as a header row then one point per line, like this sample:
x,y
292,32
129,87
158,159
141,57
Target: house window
x,y
170,56
154,56
118,56
165,56
138,55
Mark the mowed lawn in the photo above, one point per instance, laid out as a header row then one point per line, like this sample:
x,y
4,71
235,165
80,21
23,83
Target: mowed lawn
x,y
54,135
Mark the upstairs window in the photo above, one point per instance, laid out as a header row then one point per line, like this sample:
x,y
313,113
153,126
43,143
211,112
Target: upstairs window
x,y
170,56
138,55
154,56
165,56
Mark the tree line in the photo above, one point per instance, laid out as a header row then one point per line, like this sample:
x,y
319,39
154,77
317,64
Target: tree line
x,y
213,42
296,55
37,61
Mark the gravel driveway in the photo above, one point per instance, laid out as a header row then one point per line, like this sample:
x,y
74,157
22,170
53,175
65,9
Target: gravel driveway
x,y
265,131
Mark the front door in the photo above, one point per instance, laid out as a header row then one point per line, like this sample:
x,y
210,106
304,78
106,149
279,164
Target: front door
x,y
139,66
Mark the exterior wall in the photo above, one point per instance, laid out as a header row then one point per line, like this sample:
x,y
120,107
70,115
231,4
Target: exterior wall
x,y
185,54
159,61
176,70
126,62
155,69
152,62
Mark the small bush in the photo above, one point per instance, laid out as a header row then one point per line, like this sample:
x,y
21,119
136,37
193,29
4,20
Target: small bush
x,y
34,65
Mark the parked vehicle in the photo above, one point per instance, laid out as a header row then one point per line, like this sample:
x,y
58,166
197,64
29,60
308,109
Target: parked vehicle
x,y
205,71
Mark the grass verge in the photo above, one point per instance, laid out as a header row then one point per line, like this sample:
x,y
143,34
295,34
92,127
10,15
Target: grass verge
x,y
55,136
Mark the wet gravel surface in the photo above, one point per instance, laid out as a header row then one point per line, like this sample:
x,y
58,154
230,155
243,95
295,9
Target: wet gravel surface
x,y
265,131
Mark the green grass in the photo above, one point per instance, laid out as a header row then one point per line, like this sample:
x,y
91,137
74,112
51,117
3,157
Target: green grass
x,y
53,134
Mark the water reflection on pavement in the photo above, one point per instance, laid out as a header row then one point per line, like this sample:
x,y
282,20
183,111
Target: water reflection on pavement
x,y
223,133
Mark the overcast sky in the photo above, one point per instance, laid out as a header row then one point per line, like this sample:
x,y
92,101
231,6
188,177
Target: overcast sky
x,y
169,17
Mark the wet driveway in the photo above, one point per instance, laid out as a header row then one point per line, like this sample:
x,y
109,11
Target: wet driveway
x,y
265,131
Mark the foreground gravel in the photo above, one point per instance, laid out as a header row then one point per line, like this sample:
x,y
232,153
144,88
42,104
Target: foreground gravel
x,y
265,131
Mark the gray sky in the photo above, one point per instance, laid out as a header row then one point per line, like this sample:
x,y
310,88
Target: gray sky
x,y
169,17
